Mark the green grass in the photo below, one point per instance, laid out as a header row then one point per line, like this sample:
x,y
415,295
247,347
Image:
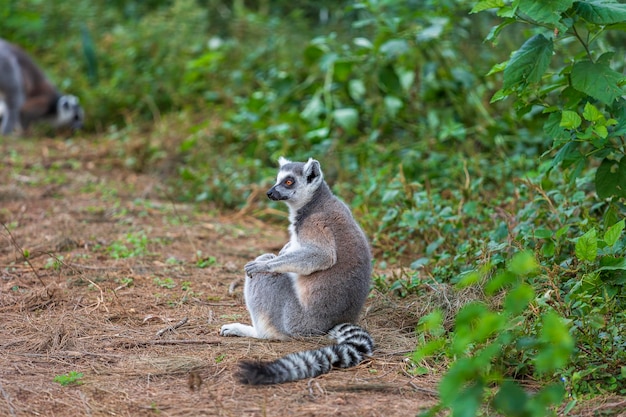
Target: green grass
x,y
71,378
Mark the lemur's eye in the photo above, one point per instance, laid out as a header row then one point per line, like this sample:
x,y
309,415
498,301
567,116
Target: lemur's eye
x,y
288,182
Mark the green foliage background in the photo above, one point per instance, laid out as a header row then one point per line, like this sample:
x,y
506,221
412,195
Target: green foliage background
x,y
496,165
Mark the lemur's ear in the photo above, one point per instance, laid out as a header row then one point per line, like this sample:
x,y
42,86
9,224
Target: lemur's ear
x,y
312,171
283,161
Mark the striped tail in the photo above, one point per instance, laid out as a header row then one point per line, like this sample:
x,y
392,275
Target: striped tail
x,y
353,344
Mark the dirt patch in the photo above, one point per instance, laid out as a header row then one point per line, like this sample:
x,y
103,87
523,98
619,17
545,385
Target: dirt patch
x,y
129,289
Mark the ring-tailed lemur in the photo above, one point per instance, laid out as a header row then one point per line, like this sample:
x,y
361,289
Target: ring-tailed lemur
x,y
28,96
317,283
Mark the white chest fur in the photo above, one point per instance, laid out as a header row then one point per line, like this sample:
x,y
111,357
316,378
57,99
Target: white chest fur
x,y
293,244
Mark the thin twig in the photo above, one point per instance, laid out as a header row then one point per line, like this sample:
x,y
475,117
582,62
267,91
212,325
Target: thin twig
x,y
424,390
172,328
100,299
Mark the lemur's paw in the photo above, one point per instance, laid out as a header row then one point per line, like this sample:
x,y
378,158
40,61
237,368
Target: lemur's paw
x,y
229,330
255,267
265,257
237,329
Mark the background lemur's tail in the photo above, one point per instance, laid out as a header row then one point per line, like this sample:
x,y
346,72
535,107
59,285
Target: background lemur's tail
x,y
353,344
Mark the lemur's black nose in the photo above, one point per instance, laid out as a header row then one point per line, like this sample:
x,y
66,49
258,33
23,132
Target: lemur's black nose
x,y
275,195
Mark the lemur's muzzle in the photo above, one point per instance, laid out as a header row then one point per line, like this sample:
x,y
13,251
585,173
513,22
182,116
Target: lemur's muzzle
x,y
76,124
275,195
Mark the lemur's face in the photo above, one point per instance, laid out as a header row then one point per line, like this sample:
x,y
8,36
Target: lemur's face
x,y
296,182
288,182
69,112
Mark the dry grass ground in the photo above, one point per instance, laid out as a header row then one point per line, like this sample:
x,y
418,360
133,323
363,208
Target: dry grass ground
x,y
113,266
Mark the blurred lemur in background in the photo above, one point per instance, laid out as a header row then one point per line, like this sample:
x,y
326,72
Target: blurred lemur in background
x,y
27,96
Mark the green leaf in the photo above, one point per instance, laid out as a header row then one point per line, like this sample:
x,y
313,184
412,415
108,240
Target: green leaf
x,y
597,80
546,11
498,68
611,178
432,323
529,63
557,344
587,246
389,81
611,236
523,263
500,280
547,397
518,298
394,48
621,177
552,127
568,154
347,118
495,31
428,349
570,120
500,95
468,279
608,263
342,70
487,4
511,400
602,132
507,11
543,233
363,43
392,105
356,89
313,53
591,113
468,400
314,109
460,371
601,12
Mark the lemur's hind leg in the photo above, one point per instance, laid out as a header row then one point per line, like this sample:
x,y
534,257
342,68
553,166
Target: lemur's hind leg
x,y
262,326
264,301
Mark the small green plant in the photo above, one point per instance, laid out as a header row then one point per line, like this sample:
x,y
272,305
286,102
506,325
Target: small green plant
x,y
165,282
54,262
135,244
205,261
125,281
71,378
172,260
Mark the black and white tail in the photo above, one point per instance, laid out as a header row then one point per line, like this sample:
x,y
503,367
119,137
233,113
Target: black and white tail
x,y
353,345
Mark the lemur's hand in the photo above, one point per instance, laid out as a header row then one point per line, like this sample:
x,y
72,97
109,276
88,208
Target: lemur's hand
x,y
255,267
265,257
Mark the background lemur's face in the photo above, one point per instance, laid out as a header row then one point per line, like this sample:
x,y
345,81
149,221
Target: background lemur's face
x,y
69,112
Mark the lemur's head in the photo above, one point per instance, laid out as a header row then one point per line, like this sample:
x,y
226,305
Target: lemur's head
x,y
296,182
69,112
